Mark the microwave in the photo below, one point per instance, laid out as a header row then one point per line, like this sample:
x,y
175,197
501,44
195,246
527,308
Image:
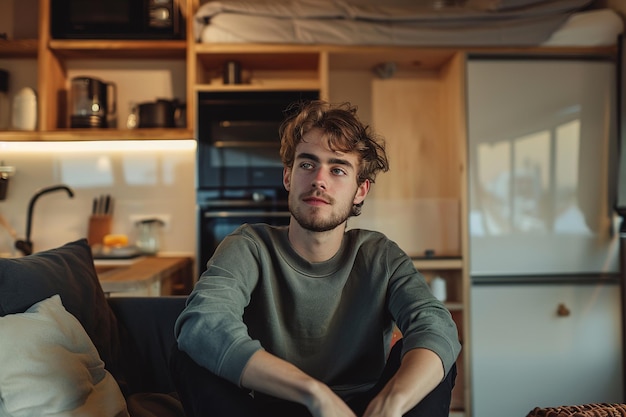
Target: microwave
x,y
115,19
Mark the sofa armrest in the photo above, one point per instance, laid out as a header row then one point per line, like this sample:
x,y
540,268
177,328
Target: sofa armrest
x,y
146,326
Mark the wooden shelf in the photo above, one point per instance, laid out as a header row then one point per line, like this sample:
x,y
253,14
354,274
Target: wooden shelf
x,y
546,51
343,57
262,85
262,58
261,49
432,264
26,48
265,68
119,49
97,134
405,58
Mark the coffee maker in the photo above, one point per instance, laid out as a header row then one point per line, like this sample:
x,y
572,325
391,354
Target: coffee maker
x,y
92,103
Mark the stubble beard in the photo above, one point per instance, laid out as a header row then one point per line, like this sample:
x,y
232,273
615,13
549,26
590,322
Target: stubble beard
x,y
308,217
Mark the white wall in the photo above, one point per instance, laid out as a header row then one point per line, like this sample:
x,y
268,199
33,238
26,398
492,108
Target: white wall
x,y
144,177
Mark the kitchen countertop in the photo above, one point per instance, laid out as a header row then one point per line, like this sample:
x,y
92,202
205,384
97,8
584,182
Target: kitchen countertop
x,y
174,274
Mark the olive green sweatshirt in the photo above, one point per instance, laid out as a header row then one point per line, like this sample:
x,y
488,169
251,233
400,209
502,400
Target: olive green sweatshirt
x,y
331,319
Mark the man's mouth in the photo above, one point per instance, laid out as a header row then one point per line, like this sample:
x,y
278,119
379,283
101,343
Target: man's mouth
x,y
316,200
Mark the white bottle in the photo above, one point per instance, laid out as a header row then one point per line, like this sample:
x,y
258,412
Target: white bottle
x,y
25,110
438,288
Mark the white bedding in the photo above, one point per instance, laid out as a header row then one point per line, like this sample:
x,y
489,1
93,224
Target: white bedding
x,y
593,28
550,23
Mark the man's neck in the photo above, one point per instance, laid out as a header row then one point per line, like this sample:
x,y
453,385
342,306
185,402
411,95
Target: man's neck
x,y
315,246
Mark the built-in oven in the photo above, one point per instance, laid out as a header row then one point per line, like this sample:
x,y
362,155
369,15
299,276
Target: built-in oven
x,y
222,214
239,177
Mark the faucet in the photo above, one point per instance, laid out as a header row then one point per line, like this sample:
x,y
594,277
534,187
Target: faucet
x,y
26,246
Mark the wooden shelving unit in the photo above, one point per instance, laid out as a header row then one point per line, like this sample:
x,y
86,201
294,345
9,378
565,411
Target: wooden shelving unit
x,y
97,134
118,49
52,58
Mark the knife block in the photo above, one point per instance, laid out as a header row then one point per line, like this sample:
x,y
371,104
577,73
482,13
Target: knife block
x,y
99,227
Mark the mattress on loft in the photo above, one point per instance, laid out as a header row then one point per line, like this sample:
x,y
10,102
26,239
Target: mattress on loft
x,y
552,23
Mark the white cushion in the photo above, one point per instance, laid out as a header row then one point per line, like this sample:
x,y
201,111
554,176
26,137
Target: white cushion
x,y
49,366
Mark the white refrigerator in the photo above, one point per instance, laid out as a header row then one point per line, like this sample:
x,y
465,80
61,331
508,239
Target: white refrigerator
x,y
544,244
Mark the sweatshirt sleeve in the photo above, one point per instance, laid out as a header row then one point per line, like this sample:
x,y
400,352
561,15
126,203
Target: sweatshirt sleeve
x,y
211,329
424,321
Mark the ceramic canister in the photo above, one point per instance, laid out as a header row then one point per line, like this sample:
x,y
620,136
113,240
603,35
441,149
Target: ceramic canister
x,y
24,112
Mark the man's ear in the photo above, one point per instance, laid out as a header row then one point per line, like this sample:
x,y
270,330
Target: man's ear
x,y
361,192
287,178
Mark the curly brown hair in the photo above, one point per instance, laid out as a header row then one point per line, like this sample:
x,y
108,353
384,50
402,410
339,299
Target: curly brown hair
x,y
344,132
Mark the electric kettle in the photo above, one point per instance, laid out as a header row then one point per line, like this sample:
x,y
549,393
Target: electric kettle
x,y
92,103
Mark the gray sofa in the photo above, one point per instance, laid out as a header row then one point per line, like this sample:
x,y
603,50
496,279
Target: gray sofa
x,y
125,345
146,326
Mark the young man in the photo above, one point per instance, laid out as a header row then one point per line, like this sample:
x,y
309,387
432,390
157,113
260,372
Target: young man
x,y
297,320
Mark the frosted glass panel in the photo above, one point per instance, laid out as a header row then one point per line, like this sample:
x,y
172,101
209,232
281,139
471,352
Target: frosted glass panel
x,y
540,137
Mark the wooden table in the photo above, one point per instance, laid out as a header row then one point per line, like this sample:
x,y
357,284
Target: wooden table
x,y
146,276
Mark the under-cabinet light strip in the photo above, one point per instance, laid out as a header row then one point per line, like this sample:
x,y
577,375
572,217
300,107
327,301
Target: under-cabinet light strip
x,y
99,146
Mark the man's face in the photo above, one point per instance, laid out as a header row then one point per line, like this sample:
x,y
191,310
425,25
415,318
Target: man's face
x,y
322,184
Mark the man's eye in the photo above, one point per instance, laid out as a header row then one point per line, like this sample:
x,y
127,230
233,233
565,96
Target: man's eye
x,y
338,171
306,165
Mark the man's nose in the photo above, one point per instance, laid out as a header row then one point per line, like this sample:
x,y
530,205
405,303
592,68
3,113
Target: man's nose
x,y
319,180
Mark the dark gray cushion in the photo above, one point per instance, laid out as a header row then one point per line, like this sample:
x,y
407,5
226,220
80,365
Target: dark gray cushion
x,y
68,271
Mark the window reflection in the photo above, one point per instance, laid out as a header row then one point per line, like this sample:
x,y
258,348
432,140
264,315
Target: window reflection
x,y
541,167
529,183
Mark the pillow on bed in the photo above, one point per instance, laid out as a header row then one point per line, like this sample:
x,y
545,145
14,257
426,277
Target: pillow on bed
x,y
49,366
68,271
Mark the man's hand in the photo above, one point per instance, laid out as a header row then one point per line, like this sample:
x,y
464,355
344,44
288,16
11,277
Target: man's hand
x,y
271,375
325,403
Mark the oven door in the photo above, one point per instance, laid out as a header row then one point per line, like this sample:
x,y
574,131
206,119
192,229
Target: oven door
x,y
238,167
217,223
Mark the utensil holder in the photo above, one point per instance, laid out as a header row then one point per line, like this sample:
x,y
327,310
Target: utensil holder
x,y
99,227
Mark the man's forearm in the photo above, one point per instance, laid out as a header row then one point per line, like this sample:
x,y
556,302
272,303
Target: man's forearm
x,y
271,375
420,372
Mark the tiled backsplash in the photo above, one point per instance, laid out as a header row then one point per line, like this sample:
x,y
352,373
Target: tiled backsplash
x,y
144,178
